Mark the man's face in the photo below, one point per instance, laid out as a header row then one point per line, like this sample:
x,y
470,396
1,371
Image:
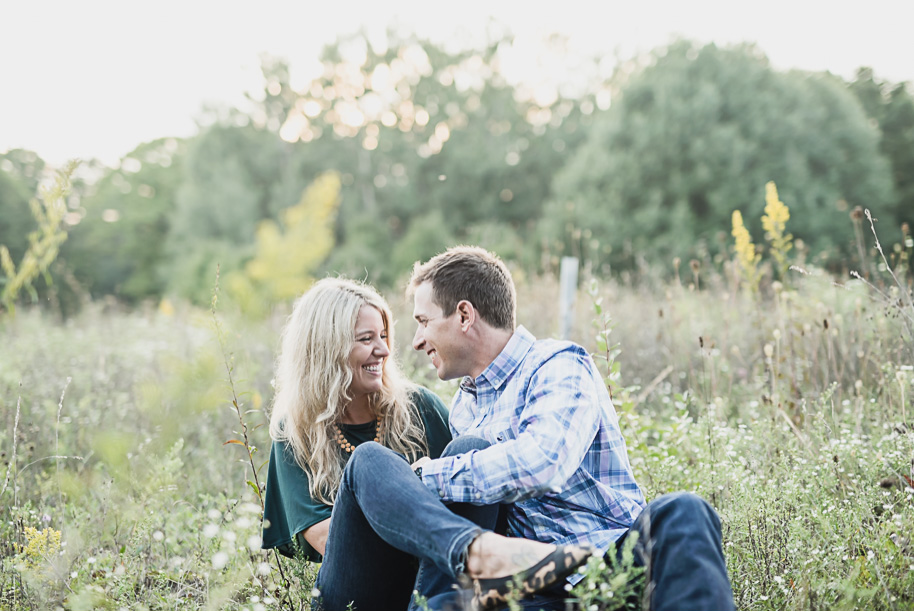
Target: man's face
x,y
439,336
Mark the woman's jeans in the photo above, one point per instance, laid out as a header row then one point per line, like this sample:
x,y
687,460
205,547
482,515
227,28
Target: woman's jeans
x,y
385,520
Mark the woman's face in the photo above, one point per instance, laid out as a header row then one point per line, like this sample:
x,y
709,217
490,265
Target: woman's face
x,y
369,352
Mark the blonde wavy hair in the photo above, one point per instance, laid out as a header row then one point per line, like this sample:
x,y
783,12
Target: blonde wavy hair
x,y
313,377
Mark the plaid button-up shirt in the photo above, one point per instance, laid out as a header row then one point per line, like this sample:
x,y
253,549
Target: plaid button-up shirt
x,y
557,452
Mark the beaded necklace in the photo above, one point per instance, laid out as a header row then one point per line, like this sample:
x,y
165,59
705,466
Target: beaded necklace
x,y
347,446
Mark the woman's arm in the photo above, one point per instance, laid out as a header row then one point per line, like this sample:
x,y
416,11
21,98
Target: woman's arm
x,y
316,535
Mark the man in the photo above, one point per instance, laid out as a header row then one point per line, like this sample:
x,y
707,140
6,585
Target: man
x,y
547,441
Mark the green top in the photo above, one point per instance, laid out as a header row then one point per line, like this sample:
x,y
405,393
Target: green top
x,y
288,506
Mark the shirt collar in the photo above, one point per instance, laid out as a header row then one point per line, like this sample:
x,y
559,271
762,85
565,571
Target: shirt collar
x,y
501,368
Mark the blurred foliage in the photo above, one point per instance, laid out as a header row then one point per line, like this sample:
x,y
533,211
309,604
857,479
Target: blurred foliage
x,y
48,211
696,132
891,106
117,248
287,254
15,217
434,147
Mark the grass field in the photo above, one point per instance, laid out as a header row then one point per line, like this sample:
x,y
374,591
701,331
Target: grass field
x,y
788,409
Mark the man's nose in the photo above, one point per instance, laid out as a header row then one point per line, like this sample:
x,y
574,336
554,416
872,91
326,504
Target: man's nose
x,y
418,339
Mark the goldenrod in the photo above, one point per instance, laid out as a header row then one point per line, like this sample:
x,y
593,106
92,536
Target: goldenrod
x,y
774,222
42,545
746,254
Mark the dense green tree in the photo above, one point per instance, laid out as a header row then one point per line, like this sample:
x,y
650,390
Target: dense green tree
x,y
421,133
26,165
117,247
891,106
233,178
16,219
696,133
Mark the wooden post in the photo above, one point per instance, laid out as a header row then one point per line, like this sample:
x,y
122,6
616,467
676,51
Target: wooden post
x,y
568,286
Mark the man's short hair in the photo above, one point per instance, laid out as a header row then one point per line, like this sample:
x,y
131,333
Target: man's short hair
x,y
473,274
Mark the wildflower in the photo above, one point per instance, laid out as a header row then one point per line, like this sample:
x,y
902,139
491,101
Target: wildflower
x,y
220,559
210,530
41,545
158,536
774,222
254,542
746,256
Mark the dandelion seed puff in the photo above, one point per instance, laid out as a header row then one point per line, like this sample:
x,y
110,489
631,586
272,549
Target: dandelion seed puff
x,y
249,508
210,531
315,592
214,514
229,536
243,522
220,559
263,569
254,542
91,560
158,536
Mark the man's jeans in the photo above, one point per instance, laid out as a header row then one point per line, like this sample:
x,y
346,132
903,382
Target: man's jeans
x,y
679,539
384,519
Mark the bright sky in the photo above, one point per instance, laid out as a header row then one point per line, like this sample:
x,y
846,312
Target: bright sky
x,y
96,78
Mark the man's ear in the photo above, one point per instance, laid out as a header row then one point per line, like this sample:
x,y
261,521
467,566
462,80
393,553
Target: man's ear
x,y
467,314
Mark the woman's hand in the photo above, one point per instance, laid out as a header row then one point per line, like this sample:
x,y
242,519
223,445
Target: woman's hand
x,y
316,535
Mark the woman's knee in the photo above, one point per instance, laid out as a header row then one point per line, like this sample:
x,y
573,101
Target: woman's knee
x,y
464,444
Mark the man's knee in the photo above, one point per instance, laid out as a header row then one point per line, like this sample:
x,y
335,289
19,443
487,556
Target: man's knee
x,y
683,508
464,444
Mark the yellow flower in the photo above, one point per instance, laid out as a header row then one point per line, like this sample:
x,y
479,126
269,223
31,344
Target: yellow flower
x,y
774,221
746,255
42,546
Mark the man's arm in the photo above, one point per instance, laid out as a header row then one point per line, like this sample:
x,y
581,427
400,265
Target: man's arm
x,y
557,426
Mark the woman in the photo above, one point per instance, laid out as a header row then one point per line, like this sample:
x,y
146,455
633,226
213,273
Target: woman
x,y
336,389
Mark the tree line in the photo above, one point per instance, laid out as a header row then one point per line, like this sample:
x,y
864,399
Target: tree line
x,y
411,148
